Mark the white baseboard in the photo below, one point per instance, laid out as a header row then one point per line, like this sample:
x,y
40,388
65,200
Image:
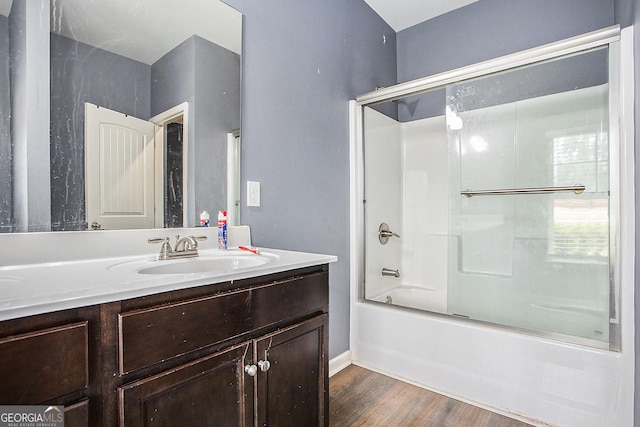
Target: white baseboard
x,y
339,362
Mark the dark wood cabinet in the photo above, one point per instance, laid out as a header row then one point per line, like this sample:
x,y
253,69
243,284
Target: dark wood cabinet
x,y
45,360
243,353
293,390
77,414
152,334
236,387
211,391
45,364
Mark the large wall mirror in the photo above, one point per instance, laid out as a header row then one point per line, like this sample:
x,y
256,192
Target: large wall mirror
x,y
118,114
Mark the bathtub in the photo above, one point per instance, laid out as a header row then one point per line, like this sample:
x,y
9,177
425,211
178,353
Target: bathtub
x,y
416,297
576,320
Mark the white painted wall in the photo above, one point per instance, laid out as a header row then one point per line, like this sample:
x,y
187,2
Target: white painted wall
x,y
424,204
405,178
383,194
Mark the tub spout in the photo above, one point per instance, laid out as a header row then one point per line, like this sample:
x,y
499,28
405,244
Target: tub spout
x,y
390,272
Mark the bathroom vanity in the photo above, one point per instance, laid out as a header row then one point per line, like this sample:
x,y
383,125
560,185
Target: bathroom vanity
x,y
244,347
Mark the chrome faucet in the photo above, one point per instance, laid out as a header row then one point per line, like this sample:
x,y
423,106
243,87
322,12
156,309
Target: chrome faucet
x,y
185,247
187,243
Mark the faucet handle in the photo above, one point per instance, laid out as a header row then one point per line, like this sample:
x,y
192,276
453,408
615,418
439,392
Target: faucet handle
x,y
158,240
166,246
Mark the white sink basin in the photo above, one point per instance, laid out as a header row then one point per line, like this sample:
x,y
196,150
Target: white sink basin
x,y
205,265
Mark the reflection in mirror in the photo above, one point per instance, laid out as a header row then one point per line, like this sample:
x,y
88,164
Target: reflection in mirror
x,y
170,187
140,60
173,179
5,120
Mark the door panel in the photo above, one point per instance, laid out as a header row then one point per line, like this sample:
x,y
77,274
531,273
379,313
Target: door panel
x,y
119,169
292,392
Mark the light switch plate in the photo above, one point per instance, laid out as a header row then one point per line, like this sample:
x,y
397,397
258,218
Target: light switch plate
x,y
253,193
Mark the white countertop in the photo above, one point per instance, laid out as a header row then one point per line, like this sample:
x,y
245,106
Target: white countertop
x,y
28,289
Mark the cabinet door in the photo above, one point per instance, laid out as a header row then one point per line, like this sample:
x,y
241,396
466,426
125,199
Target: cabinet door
x,y
77,414
211,391
293,390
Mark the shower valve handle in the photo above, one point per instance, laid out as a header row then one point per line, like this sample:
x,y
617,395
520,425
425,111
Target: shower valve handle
x,y
384,233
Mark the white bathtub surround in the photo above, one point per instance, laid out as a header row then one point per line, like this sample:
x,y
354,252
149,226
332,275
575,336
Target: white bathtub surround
x,y
546,381
413,174
417,297
46,272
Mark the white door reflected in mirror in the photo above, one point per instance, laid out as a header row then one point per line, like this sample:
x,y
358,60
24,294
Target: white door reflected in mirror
x,y
119,170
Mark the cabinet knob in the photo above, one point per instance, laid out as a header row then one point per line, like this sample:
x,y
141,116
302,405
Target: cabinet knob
x,y
252,370
264,365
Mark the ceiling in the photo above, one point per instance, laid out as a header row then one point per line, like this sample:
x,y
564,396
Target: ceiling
x,y
218,21
401,14
142,29
5,7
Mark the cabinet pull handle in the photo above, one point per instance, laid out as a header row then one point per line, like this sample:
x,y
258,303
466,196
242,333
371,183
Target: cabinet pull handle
x,y
264,365
252,370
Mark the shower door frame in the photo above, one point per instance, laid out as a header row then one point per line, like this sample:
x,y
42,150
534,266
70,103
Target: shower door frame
x,y
606,37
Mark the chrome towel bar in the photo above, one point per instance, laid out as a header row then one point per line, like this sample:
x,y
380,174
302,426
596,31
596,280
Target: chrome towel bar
x,y
577,189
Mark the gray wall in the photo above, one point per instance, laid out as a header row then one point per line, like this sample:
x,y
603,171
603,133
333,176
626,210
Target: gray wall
x,y
81,73
217,112
302,61
172,83
491,28
5,128
207,76
172,78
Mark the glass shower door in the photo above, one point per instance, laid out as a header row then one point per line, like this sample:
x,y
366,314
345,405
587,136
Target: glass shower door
x,y
529,197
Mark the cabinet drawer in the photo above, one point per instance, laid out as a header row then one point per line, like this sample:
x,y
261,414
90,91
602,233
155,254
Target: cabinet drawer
x,y
40,366
77,414
151,335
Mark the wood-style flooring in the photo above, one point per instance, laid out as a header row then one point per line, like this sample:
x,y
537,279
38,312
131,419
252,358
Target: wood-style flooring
x,y
359,397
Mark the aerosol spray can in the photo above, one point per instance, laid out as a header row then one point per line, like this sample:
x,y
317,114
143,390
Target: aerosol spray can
x,y
222,229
